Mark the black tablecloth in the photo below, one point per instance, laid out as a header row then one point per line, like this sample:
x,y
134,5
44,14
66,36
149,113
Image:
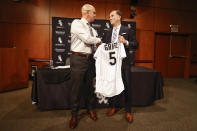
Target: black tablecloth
x,y
51,88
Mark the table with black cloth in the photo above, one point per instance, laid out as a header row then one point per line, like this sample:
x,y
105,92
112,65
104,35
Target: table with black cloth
x,y
51,88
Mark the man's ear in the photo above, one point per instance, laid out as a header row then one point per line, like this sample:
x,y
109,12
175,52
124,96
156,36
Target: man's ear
x,y
120,17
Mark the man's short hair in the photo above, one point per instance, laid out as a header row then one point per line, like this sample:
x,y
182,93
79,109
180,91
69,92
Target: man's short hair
x,y
118,12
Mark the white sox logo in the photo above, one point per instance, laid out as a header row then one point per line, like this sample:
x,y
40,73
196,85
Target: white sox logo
x,y
101,99
59,58
107,25
60,23
129,25
60,40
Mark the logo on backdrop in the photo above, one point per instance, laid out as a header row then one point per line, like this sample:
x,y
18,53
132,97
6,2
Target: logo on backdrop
x,y
60,50
96,25
60,24
69,41
129,25
60,32
59,58
69,23
60,40
107,25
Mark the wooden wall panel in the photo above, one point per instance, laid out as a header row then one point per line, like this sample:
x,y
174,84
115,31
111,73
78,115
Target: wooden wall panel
x,y
140,2
14,68
72,9
124,8
118,1
194,48
174,4
145,18
162,53
193,69
176,68
28,11
7,35
188,22
188,57
177,4
62,8
193,66
165,17
189,5
146,3
178,45
1,69
146,45
100,9
35,38
191,20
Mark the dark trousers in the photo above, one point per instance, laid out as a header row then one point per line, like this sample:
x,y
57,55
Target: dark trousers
x,y
126,77
80,66
90,97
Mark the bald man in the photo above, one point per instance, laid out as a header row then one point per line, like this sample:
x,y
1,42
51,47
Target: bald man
x,y
83,36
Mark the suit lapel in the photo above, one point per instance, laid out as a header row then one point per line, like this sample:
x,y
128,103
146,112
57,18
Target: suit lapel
x,y
121,30
109,35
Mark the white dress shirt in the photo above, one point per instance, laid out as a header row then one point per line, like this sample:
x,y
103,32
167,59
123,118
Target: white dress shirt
x,y
81,38
118,30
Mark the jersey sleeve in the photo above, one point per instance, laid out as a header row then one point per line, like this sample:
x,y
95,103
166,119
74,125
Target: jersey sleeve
x,y
122,51
97,53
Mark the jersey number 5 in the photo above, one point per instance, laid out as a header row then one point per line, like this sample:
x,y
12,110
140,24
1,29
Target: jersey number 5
x,y
111,56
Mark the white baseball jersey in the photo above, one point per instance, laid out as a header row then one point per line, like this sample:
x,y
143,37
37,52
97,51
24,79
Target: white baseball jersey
x,y
108,69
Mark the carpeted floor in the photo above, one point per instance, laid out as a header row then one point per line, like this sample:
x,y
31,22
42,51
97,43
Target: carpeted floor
x,y
176,112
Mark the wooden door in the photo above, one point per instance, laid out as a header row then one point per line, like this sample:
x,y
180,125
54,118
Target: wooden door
x,y
161,54
171,54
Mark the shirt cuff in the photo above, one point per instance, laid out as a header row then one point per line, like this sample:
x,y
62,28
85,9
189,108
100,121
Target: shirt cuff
x,y
99,40
127,43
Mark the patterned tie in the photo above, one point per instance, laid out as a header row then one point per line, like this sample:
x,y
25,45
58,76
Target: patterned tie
x,y
114,35
93,47
91,32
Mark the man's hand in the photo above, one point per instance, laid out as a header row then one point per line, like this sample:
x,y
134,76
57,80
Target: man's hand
x,y
122,39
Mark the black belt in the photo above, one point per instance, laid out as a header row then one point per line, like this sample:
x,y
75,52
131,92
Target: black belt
x,y
80,54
